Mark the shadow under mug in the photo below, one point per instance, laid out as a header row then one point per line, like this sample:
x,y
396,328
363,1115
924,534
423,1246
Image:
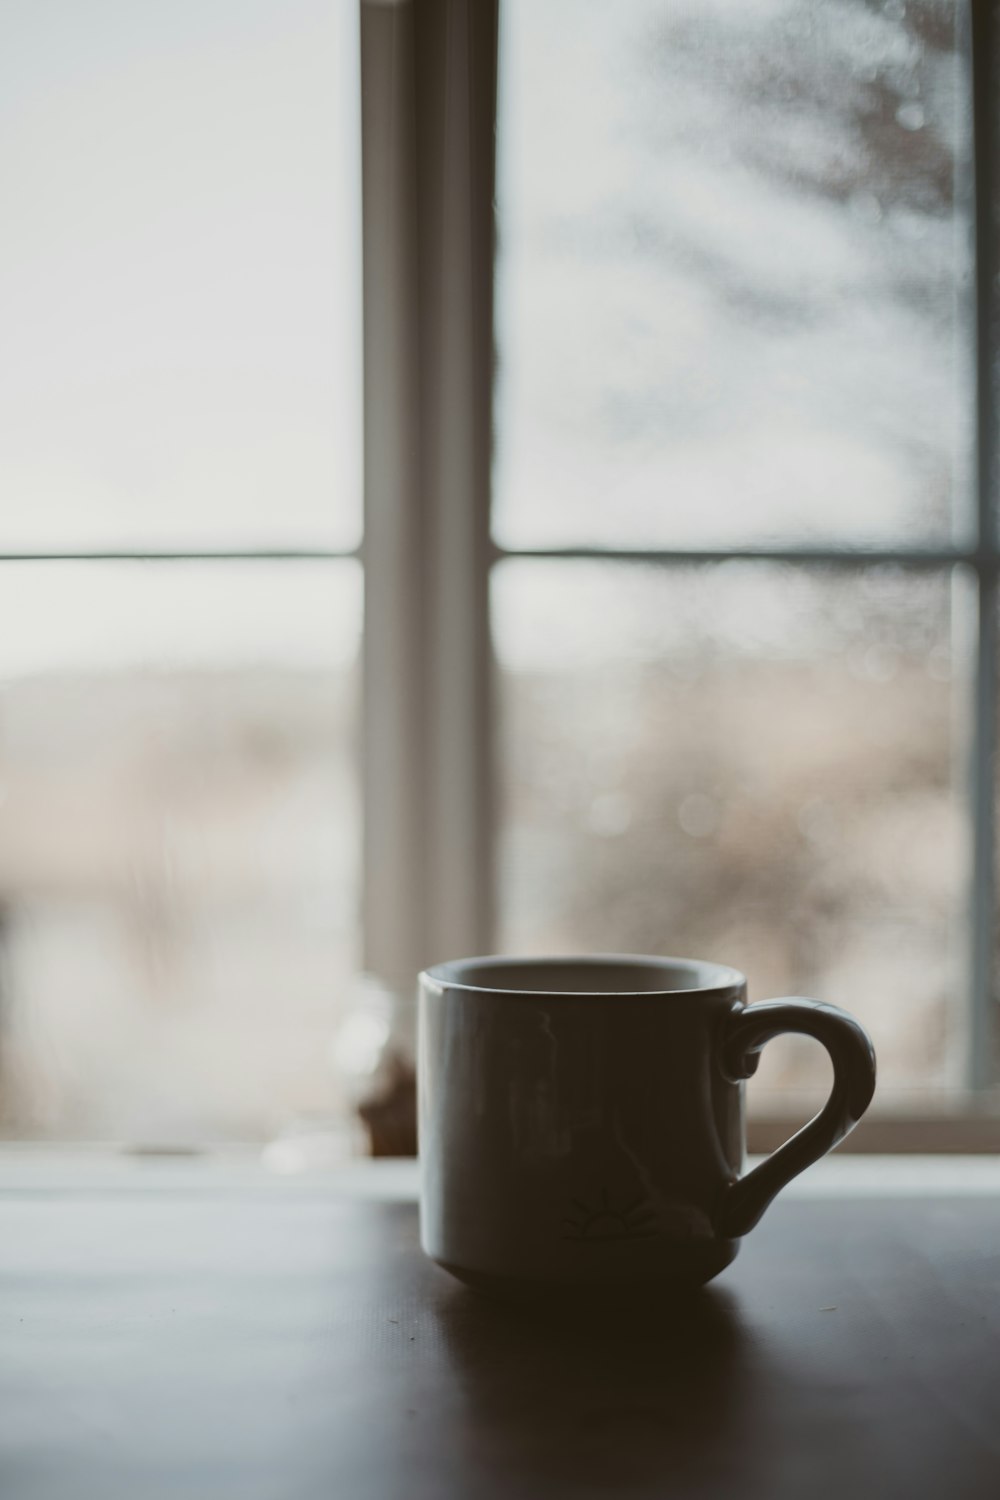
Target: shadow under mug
x,y
581,1120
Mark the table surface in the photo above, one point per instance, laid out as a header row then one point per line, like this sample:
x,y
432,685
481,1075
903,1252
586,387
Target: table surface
x,y
212,1331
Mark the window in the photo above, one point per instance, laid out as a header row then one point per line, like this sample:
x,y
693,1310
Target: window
x,y
741,558
180,599
679,616
735,493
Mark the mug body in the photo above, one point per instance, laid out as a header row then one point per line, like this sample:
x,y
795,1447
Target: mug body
x,y
576,1129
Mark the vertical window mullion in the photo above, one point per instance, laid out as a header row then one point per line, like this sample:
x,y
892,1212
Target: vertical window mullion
x,y
981,1030
980,1061
394,697
428,120
456,55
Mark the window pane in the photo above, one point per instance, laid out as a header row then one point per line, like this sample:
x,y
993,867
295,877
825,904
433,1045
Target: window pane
x,y
179,273
751,764
178,845
733,243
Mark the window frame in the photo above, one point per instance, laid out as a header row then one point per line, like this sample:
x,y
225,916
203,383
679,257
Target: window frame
x,y
429,818
429,124
428,73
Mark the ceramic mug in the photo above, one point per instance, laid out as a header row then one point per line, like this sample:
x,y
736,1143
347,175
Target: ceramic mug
x,y
581,1120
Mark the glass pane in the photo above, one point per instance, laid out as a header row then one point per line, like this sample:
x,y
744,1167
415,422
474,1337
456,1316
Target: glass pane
x,y
179,274
733,244
751,764
178,845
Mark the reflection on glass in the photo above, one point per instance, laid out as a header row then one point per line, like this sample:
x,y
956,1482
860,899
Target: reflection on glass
x,y
178,845
749,764
179,274
732,246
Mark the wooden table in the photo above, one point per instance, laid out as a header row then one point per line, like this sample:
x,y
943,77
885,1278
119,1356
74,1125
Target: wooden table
x,y
211,1331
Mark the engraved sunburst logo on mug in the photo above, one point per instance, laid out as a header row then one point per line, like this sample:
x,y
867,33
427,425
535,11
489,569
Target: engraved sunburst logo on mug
x,y
600,1222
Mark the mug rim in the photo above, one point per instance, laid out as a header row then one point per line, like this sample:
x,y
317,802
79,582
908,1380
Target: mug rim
x,y
712,976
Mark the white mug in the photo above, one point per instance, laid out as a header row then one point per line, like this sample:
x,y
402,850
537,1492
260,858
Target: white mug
x,y
581,1120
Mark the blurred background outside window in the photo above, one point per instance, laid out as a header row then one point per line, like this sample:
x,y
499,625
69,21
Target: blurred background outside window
x,y
181,374
735,596
734,315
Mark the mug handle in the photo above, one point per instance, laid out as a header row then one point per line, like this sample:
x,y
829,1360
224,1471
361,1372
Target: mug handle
x,y
853,1058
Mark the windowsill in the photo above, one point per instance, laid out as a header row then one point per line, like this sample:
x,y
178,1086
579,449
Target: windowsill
x,y
30,1170
966,1134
